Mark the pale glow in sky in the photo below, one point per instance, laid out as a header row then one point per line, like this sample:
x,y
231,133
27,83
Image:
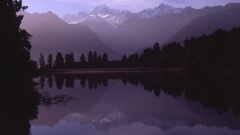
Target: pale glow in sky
x,y
61,7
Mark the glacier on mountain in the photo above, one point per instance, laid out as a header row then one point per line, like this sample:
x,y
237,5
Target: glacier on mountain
x,y
117,17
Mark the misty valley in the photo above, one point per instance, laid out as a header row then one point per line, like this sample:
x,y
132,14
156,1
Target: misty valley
x,y
159,71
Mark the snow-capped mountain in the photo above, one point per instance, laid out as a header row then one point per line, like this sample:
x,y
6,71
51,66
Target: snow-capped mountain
x,y
117,17
161,10
98,14
74,19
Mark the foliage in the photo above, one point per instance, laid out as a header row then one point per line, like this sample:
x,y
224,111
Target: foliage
x,y
15,45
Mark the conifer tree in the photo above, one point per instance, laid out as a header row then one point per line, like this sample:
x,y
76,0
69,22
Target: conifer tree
x,y
41,61
50,60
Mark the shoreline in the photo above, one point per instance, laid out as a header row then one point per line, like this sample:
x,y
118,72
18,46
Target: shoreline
x,y
108,70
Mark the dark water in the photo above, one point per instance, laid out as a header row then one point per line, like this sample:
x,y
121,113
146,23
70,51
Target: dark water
x,y
138,104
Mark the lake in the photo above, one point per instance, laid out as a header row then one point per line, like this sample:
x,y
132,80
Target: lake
x,y
148,103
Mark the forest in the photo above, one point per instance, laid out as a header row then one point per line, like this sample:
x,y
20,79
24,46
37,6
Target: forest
x,y
217,51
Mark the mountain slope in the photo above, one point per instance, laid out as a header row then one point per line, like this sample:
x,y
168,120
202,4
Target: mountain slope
x,y
52,35
161,10
225,19
137,33
99,14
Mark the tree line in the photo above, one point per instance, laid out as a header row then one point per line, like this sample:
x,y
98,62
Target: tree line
x,y
217,51
68,61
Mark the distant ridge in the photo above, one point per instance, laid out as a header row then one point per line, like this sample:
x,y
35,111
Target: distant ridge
x,y
50,34
225,19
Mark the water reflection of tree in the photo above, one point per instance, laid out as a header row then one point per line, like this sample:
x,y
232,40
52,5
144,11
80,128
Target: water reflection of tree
x,y
50,81
219,91
42,81
59,80
19,104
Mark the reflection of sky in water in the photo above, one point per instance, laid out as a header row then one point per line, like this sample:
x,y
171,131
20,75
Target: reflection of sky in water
x,y
128,110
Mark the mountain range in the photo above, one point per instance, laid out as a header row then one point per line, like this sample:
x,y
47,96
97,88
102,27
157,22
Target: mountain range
x,y
117,17
119,32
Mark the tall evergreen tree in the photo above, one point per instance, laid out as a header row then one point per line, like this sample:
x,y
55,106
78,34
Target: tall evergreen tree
x,y
59,61
83,59
69,59
95,57
50,60
90,57
41,61
156,48
16,72
15,45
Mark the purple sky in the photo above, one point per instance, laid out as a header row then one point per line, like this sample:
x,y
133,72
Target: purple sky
x,y
61,7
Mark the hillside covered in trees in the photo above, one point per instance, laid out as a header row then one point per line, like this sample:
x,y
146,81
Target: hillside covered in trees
x,y
217,51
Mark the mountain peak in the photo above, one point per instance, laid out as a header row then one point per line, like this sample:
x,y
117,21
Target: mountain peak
x,y
163,5
161,10
100,8
50,13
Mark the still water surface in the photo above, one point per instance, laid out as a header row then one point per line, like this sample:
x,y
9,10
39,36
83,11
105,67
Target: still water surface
x,y
136,104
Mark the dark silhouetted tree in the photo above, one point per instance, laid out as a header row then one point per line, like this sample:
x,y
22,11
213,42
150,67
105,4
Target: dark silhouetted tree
x,y
50,60
41,61
59,61
95,56
16,72
156,48
172,55
99,59
83,59
90,57
105,57
15,46
69,59
133,60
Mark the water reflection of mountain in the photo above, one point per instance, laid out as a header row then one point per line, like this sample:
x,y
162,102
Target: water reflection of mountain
x,y
219,91
108,100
